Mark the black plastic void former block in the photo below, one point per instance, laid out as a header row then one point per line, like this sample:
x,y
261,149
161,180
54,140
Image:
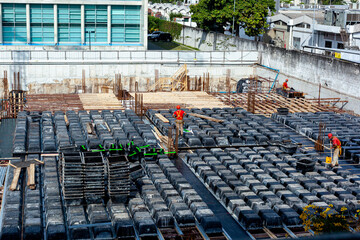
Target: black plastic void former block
x,y
211,224
270,218
290,217
184,218
103,232
197,206
248,218
164,219
55,232
12,231
32,228
80,233
144,224
124,227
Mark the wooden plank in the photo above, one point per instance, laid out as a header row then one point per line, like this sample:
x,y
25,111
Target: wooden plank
x,y
49,154
31,176
107,126
100,101
66,120
161,117
89,128
206,117
25,164
15,180
188,99
10,158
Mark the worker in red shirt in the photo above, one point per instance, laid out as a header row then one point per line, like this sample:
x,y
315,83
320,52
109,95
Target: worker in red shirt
x,y
179,115
335,144
285,85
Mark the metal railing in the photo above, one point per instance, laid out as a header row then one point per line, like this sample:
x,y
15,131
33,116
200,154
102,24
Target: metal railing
x,y
70,57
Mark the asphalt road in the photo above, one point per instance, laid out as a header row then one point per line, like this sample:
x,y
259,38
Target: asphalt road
x,y
152,46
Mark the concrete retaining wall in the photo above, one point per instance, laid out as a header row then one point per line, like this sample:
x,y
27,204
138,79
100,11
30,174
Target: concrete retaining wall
x,y
52,78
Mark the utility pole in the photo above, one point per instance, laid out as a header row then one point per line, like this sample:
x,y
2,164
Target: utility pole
x,y
313,28
233,20
183,31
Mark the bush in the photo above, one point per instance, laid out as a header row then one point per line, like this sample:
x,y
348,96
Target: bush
x,y
165,26
175,15
324,220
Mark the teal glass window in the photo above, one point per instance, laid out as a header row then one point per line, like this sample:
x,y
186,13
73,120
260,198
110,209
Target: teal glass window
x,y
69,23
96,23
42,23
125,24
14,23
117,24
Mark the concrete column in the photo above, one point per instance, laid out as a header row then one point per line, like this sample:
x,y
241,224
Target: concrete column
x,y
56,40
109,23
144,20
28,34
291,38
350,38
1,31
82,24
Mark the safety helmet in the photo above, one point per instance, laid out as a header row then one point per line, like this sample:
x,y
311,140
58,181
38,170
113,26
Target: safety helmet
x,y
287,80
178,106
330,135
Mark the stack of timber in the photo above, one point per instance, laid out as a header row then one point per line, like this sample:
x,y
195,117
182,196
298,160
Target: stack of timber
x,y
186,99
53,102
267,104
100,101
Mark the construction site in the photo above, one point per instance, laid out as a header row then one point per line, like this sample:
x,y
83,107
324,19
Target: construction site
x,y
93,151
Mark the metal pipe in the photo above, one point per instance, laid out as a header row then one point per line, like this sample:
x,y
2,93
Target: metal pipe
x,y
274,69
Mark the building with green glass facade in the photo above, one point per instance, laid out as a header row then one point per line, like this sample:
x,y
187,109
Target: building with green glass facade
x,y
76,24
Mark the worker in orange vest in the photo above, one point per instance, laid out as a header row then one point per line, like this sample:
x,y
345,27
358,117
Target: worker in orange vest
x,y
336,144
179,115
285,85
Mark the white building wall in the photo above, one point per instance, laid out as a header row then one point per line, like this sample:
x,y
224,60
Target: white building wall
x,y
334,39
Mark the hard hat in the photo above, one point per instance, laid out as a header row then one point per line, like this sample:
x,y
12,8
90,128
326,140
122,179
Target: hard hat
x,y
178,106
330,135
287,80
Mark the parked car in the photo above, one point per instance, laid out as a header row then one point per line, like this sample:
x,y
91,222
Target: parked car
x,y
161,37
155,33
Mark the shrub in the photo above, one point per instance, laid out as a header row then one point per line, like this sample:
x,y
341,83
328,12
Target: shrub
x,y
165,26
324,220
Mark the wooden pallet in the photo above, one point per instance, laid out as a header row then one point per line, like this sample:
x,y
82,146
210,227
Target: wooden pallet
x,y
267,104
100,101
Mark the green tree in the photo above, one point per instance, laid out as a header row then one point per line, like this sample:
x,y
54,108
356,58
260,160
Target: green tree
x,y
332,2
163,1
354,1
175,15
249,14
157,24
286,1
